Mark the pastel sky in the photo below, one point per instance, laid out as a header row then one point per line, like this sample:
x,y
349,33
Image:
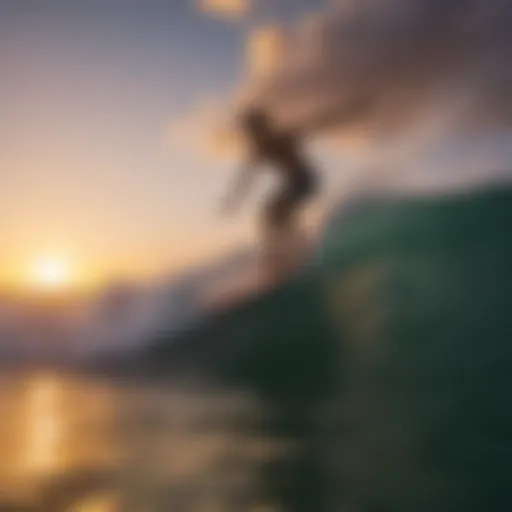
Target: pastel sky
x,y
88,92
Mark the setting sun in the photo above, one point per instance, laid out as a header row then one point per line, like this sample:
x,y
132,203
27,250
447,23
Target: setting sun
x,y
51,273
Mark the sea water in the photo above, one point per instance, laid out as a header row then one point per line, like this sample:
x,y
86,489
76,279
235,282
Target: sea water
x,y
75,443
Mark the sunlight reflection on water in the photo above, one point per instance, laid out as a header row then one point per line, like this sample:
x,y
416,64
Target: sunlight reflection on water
x,y
81,445
102,503
44,421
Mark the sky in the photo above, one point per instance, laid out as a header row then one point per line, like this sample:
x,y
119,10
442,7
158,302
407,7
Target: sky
x,y
108,111
89,92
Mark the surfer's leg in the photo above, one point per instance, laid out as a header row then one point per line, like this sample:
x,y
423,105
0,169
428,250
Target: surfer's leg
x,y
287,216
284,241
280,237
274,227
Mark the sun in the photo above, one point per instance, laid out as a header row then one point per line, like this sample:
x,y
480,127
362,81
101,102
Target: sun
x,y
51,273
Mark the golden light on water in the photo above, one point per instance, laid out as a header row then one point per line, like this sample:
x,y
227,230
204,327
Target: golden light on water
x,y
45,429
101,503
89,448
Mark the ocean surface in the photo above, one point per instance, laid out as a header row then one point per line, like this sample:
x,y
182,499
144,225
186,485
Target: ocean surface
x,y
75,443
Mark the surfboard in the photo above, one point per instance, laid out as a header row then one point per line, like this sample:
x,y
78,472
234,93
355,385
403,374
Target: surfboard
x,y
274,266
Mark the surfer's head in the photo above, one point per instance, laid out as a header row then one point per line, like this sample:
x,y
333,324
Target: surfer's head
x,y
255,121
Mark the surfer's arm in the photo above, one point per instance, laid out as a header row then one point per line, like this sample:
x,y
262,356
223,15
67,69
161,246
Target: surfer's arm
x,y
242,183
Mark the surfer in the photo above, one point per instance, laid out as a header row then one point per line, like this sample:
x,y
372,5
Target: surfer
x,y
282,150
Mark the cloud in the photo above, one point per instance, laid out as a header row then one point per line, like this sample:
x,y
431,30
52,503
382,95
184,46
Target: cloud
x,y
396,78
228,9
206,131
392,57
264,51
